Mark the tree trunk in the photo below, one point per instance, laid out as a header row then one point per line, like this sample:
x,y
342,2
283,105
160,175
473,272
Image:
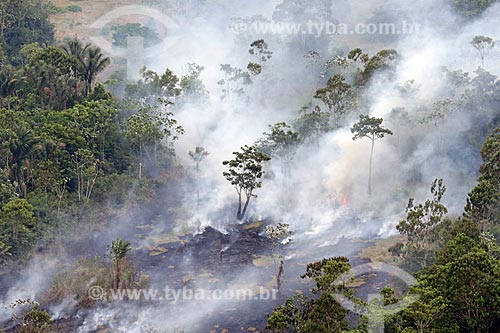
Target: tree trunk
x,y
279,275
118,273
239,216
370,171
242,213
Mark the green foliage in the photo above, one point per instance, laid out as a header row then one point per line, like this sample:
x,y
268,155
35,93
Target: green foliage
x,y
281,142
483,201
17,221
51,77
311,125
279,232
320,314
4,252
277,322
254,68
483,204
471,8
191,85
384,60
419,226
468,276
490,169
152,132
93,272
47,70
326,272
23,22
122,31
154,88
34,320
244,173
368,127
75,281
337,96
119,250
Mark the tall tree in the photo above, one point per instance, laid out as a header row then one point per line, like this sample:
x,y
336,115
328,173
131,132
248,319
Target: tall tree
x,y
280,142
244,172
76,50
94,62
419,225
232,83
483,46
198,155
21,147
260,50
337,97
369,127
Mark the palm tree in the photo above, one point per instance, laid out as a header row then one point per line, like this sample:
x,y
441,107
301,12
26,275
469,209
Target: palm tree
x,y
74,47
94,63
21,146
119,250
76,50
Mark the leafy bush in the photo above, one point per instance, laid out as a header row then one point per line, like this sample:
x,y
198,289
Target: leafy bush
x,y
89,272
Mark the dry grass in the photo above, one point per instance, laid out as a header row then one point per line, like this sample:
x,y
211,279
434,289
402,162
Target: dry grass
x,y
254,225
165,238
263,261
156,251
380,251
77,24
